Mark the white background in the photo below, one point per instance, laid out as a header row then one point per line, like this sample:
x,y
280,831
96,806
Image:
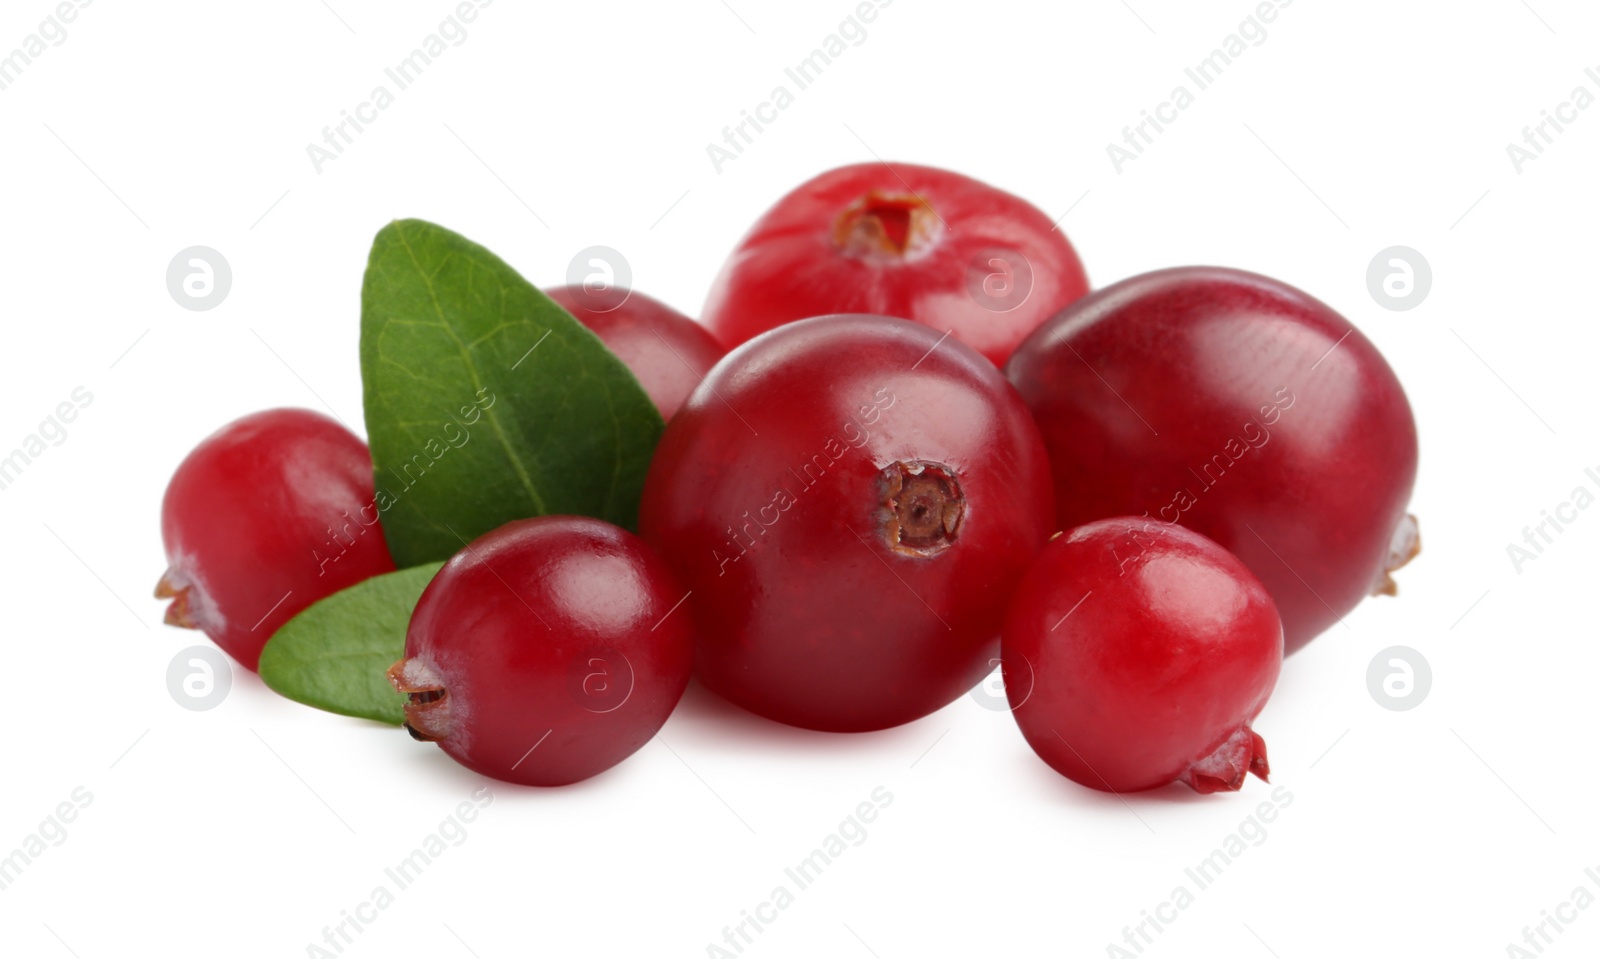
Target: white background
x,y
244,831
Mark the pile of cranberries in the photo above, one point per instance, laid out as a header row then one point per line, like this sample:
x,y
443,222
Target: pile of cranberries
x,y
930,449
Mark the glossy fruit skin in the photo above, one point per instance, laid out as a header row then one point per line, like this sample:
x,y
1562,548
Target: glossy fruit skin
x,y
1136,653
916,242
266,516
1239,407
561,635
834,588
668,352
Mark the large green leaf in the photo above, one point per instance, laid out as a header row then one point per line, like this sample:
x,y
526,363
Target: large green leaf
x,y
334,655
485,401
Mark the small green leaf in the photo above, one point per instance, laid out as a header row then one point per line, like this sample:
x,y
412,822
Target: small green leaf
x,y
334,655
485,401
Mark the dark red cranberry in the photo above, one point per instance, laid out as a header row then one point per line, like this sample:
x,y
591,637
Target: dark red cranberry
x,y
1243,409
915,242
1137,653
546,651
851,502
266,516
668,352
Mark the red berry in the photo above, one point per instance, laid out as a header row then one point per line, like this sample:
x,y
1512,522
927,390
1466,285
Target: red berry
x,y
900,240
851,501
1243,409
546,651
1137,653
266,516
666,351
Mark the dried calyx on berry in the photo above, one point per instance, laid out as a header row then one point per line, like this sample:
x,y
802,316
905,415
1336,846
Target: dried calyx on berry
x,y
887,226
923,506
1244,751
427,709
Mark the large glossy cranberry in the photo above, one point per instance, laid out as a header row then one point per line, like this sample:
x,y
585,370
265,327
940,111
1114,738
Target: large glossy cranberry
x,y
1239,407
546,651
923,244
666,351
851,502
265,517
1136,653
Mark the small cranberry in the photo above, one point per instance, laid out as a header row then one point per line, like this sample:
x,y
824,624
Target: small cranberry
x,y
1241,408
667,352
851,500
546,651
900,240
1137,653
266,516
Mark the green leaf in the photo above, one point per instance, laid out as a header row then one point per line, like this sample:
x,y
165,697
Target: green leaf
x,y
485,401
334,655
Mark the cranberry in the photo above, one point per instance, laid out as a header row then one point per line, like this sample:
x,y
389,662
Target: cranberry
x,y
910,241
1243,409
546,651
851,500
1136,653
266,516
666,351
